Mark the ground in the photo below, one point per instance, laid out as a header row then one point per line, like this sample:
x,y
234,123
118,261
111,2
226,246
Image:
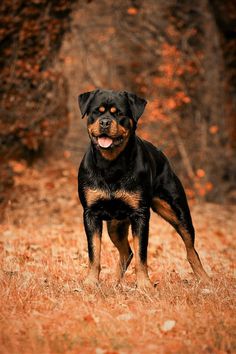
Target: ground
x,y
46,309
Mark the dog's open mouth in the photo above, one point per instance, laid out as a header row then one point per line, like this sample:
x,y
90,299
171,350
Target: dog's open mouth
x,y
104,141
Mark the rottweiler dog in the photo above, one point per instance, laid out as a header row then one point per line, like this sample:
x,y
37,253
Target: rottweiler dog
x,y
120,178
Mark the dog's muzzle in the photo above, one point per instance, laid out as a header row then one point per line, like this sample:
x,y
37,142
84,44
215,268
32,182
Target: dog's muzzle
x,y
104,123
104,141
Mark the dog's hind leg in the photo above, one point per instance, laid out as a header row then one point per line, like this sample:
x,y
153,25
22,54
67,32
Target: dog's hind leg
x,y
118,232
173,207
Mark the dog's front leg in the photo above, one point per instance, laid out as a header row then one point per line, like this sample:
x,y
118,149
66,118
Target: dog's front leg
x,y
140,230
93,229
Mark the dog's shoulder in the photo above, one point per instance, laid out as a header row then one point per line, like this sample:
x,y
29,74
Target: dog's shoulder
x,y
157,165
152,154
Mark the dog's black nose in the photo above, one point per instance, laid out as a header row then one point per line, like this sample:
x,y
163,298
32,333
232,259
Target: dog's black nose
x,y
105,123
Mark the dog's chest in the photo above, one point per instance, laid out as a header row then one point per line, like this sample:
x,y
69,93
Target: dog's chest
x,y
116,204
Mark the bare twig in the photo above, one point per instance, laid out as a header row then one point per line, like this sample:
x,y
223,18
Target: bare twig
x,y
182,150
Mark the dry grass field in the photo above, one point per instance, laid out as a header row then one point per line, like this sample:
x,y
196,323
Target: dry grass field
x,y
46,309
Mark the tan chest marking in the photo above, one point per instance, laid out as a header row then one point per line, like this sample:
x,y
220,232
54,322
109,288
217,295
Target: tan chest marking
x,y
130,198
93,195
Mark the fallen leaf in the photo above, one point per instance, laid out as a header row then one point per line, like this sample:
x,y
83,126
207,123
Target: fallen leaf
x,y
89,318
206,291
125,316
100,351
168,325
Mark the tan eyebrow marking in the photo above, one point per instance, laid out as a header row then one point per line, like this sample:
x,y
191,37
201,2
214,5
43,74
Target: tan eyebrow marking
x,y
101,109
113,109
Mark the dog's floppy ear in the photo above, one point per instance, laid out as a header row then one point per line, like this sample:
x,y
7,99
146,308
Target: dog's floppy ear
x,y
84,101
137,105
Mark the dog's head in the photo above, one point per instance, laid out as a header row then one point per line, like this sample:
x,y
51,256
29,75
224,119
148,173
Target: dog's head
x,y
112,118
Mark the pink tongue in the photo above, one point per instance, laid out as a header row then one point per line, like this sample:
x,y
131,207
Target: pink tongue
x,y
104,142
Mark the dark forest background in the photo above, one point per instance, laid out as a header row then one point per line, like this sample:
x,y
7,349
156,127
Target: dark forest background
x,y
180,55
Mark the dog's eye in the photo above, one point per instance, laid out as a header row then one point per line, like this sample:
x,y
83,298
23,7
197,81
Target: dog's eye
x,y
113,109
102,109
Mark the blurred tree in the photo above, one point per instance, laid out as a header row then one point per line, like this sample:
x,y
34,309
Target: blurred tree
x,y
225,16
33,93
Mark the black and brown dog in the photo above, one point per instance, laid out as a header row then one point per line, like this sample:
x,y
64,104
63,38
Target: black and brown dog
x,y
120,178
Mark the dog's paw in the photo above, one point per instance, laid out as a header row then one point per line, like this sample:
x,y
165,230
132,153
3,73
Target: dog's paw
x,y
91,282
205,279
144,284
202,277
